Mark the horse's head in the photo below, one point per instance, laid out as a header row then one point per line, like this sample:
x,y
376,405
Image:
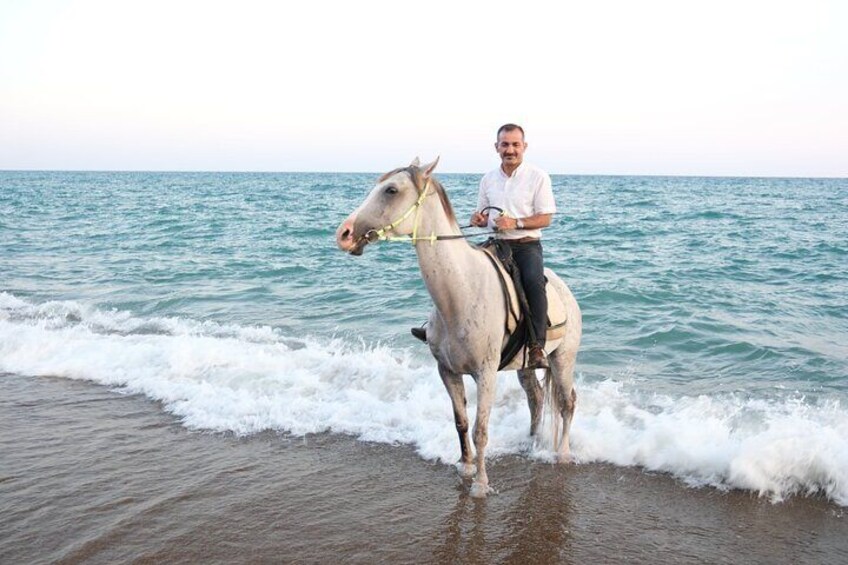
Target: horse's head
x,y
388,209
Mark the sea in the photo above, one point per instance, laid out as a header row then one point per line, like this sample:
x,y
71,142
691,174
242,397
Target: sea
x,y
217,309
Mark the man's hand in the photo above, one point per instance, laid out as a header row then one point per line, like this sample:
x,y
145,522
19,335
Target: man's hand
x,y
506,223
536,222
479,220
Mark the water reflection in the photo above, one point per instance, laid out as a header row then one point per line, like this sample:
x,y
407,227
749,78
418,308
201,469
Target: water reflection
x,y
526,524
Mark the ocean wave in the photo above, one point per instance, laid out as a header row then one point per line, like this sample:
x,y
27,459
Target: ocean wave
x,y
243,379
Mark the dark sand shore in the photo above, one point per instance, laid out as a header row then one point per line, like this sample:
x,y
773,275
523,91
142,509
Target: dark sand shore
x,y
91,476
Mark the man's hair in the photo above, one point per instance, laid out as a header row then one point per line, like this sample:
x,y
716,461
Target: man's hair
x,y
510,127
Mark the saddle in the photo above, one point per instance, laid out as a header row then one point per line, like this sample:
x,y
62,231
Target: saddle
x,y
517,325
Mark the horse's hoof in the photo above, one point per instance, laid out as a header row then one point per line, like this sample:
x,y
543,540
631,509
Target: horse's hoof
x,y
564,458
466,470
479,490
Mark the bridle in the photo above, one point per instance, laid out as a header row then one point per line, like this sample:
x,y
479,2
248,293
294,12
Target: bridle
x,y
374,235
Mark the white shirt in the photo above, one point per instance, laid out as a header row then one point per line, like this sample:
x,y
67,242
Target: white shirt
x,y
525,193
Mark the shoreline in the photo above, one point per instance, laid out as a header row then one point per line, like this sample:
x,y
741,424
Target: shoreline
x,y
91,475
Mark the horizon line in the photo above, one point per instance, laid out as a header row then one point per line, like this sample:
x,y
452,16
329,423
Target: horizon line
x,y
269,172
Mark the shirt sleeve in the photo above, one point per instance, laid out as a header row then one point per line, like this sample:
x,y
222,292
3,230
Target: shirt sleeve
x,y
543,200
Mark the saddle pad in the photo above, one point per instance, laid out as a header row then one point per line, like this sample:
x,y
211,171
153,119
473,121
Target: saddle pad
x,y
556,308
556,314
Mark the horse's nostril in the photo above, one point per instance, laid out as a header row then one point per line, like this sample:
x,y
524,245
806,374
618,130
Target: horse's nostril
x,y
346,234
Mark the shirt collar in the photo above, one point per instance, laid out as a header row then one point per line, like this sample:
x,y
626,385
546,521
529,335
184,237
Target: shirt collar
x,y
517,170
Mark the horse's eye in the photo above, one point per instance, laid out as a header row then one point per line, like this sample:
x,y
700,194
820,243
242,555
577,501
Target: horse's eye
x,y
391,190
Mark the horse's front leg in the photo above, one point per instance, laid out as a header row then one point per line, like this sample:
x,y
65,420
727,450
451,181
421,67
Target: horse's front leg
x,y
456,391
485,398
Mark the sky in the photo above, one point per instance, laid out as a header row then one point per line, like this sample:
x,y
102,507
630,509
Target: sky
x,y
742,87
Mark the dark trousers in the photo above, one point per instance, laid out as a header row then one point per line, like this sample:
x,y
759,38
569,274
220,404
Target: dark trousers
x,y
528,257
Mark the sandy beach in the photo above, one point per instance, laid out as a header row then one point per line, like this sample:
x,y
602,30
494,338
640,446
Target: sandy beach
x,y
92,476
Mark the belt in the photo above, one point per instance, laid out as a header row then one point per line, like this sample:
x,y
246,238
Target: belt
x,y
522,240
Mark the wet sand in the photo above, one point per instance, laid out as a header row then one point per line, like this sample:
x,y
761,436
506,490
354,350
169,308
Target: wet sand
x,y
88,475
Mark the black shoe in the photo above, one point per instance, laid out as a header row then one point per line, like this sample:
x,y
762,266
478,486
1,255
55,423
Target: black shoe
x,y
537,358
420,333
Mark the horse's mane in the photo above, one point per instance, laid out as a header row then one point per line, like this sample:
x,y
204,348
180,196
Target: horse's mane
x,y
415,174
443,196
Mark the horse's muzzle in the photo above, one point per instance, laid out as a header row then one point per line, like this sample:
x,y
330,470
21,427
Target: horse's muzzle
x,y
347,240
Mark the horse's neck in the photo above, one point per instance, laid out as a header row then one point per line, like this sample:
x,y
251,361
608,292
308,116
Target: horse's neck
x,y
446,265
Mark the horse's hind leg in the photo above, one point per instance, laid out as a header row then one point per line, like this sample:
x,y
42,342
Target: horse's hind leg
x,y
535,397
456,391
564,396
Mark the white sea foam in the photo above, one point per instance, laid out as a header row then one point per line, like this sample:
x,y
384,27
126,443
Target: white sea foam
x,y
246,379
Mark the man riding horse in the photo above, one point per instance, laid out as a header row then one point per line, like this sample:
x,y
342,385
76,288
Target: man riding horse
x,y
524,193
466,329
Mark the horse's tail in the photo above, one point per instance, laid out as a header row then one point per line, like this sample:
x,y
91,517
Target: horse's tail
x,y
553,408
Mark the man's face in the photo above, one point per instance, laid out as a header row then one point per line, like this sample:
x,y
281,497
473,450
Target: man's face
x,y
510,147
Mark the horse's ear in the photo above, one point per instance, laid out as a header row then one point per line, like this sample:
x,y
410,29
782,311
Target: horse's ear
x,y
415,163
429,168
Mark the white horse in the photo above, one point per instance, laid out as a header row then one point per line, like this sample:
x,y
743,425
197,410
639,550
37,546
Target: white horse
x,y
466,330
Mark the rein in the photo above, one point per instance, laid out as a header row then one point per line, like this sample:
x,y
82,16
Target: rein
x,y
373,235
